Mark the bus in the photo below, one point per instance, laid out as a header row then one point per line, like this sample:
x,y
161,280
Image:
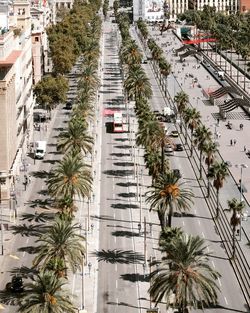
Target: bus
x,y
118,122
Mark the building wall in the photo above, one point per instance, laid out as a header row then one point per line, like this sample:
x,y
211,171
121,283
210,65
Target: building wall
x,y
244,6
16,97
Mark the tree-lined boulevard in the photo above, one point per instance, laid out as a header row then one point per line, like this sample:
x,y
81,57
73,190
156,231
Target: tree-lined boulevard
x,y
135,227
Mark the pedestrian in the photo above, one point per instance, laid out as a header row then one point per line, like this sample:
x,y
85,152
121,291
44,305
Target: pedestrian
x,y
235,142
231,142
241,126
218,121
245,149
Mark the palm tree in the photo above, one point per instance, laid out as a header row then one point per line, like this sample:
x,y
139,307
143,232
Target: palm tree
x,y
46,293
137,84
192,119
75,137
61,242
202,135
70,177
130,53
167,235
153,162
168,196
237,208
185,273
209,149
181,99
146,133
218,172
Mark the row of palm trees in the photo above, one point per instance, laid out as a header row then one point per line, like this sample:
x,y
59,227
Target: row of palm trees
x,y
59,247
184,266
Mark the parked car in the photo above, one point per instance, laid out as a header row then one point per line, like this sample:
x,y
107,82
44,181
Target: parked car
x,y
16,284
169,149
174,133
68,105
179,147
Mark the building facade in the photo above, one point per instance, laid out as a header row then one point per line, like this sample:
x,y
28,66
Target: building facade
x,y
16,97
153,10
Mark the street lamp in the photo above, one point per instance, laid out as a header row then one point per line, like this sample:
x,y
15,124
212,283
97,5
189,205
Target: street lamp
x,y
240,181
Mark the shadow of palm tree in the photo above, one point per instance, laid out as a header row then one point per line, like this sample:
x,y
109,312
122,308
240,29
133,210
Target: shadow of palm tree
x,y
134,277
29,230
120,155
50,161
124,147
124,233
126,194
124,206
127,184
40,203
120,139
40,174
124,164
128,305
43,192
38,217
118,172
118,256
25,271
29,249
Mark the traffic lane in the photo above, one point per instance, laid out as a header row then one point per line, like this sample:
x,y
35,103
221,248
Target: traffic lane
x,y
198,221
115,204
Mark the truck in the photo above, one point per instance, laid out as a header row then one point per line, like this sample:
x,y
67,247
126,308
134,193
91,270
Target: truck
x,y
40,149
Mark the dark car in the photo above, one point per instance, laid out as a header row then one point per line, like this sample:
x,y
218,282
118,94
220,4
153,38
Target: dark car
x,y
178,147
177,173
16,284
68,105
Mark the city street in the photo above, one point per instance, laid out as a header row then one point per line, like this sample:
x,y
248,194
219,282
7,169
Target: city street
x,y
115,275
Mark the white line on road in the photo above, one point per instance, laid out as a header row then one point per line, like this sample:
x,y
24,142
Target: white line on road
x,y
199,222
219,281
116,284
117,301
195,211
116,267
213,264
208,250
115,239
226,300
203,235
114,214
183,223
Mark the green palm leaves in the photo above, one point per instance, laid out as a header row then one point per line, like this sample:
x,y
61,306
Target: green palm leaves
x,y
46,293
61,242
71,177
76,137
168,195
184,275
137,84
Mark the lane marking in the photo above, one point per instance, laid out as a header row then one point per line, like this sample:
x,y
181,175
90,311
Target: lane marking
x,y
183,223
219,281
226,300
203,235
199,222
195,211
116,284
213,264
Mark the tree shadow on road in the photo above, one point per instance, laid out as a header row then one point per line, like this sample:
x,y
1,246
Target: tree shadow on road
x,y
118,172
124,206
40,174
134,277
124,233
118,256
42,203
124,164
127,184
128,305
120,155
123,147
126,194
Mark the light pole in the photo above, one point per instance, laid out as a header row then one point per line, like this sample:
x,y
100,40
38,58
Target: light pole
x,y
241,175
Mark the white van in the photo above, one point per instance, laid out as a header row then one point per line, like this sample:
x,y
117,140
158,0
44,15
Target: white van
x,y
40,149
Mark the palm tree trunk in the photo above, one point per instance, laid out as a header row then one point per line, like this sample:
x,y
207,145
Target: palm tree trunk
x,y
191,148
162,219
208,182
162,157
200,164
170,215
233,253
217,204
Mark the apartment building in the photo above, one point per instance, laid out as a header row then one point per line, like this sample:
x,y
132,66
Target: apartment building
x,y
16,97
153,10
